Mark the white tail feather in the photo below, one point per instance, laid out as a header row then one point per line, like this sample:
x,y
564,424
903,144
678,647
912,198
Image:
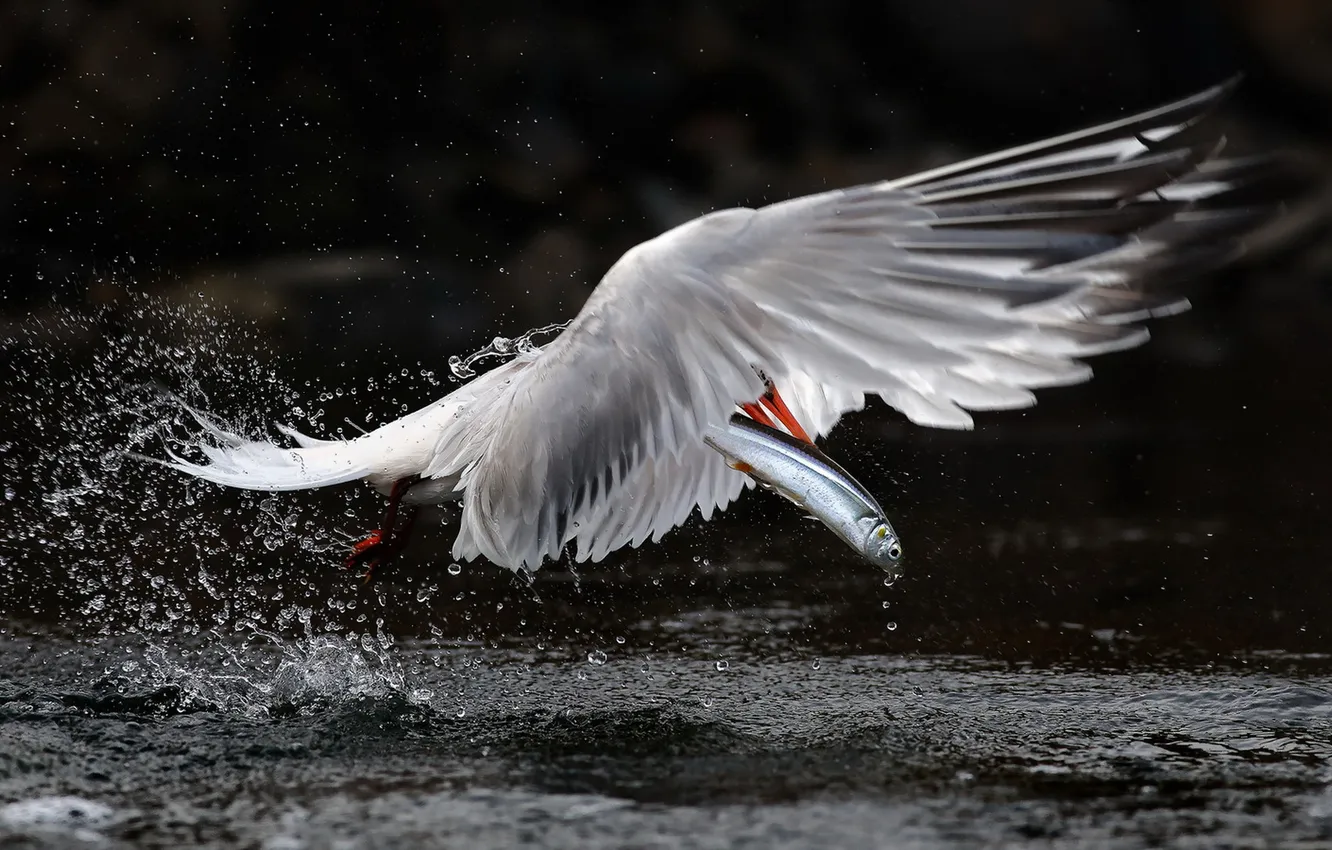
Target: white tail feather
x,y
265,466
262,465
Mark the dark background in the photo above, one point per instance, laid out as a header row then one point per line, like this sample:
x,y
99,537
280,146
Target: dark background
x,y
380,189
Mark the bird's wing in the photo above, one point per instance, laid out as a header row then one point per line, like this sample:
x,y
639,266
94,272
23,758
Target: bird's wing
x,y
959,289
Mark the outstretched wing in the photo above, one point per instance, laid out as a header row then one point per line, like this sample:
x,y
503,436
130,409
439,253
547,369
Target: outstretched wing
x,y
955,290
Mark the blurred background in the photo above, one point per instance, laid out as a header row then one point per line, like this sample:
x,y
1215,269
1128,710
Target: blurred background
x,y
367,192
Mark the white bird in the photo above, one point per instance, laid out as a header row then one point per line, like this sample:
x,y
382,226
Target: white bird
x,y
958,289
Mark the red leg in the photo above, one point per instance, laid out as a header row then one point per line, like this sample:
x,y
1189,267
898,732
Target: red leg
x,y
392,547
384,543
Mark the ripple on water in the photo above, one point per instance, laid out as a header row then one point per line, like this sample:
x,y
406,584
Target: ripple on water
x,y
865,730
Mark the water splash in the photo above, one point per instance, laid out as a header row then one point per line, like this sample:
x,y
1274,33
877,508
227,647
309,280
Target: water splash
x,y
304,676
100,545
86,529
502,348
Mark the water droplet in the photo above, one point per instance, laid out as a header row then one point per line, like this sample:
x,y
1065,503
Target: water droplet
x,y
461,712
723,666
890,581
885,604
815,664
455,569
892,627
458,369
620,640
582,675
596,657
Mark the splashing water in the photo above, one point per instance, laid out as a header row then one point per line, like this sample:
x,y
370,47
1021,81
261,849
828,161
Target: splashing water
x,y
84,522
503,349
120,549
303,676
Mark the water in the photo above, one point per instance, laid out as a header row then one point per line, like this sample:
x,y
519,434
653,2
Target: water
x,y
1111,633
502,348
497,747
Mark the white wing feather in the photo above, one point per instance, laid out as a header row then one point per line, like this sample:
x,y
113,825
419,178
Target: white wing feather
x,y
955,290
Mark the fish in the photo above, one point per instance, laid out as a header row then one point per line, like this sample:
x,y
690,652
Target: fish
x,y
818,485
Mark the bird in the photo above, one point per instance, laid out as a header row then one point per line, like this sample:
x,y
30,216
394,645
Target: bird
x,y
955,290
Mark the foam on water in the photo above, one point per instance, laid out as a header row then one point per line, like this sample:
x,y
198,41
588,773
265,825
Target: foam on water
x,y
63,811
66,819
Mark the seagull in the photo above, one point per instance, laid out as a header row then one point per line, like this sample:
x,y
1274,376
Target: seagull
x,y
958,289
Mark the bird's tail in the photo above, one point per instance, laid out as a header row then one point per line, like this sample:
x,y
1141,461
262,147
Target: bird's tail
x,y
261,465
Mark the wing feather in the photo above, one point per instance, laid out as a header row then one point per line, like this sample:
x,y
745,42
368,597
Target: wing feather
x,y
962,288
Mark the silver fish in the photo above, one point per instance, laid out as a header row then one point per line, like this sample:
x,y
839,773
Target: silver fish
x,y
813,481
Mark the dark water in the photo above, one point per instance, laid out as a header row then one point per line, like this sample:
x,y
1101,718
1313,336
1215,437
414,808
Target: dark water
x,y
323,743
1112,632
763,704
